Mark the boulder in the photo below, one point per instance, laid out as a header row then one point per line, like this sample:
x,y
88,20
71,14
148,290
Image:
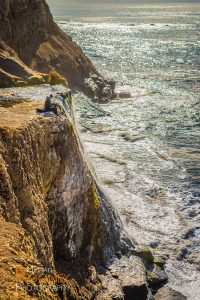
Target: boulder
x,y
157,277
167,293
125,279
124,95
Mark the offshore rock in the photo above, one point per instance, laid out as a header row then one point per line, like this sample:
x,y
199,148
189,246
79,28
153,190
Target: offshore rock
x,y
124,95
31,42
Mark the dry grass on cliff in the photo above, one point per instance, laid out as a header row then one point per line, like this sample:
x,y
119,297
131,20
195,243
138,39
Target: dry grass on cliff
x,y
18,114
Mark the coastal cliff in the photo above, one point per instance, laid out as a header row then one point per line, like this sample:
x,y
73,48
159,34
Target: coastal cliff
x,y
60,236
48,196
55,220
32,45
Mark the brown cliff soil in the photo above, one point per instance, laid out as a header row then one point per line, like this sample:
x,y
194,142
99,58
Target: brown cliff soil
x,y
31,44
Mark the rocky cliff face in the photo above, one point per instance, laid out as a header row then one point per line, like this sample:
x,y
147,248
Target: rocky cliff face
x,y
51,210
57,227
31,42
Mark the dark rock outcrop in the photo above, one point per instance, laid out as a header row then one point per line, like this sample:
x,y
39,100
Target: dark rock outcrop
x,y
31,42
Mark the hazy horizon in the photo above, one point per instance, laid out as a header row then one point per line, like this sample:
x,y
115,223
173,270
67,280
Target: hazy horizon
x,y
74,2
74,5
121,1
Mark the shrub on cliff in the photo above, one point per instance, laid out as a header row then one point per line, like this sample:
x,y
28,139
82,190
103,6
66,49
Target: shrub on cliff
x,y
56,78
35,80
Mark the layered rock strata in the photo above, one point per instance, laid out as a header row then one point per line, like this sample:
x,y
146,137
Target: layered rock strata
x,y
31,44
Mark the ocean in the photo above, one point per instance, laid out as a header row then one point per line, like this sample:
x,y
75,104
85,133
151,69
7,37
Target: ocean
x,y
146,149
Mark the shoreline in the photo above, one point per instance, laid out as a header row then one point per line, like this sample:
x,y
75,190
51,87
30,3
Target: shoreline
x,y
136,253
21,125
103,201
99,144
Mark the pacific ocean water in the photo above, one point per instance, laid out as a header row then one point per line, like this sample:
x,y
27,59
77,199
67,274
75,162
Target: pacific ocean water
x,y
146,150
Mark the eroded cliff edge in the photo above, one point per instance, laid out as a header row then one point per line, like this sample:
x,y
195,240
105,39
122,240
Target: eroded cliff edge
x,y
54,217
31,44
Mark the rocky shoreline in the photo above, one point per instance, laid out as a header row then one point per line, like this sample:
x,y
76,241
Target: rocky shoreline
x,y
61,238
60,219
